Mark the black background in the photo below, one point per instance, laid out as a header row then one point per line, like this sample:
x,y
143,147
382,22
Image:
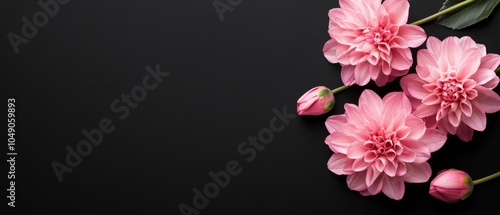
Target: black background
x,y
225,79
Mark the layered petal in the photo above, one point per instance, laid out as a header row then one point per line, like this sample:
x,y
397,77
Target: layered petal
x,y
394,187
401,59
337,164
414,35
417,172
330,50
339,142
397,101
369,101
487,100
335,122
434,138
397,10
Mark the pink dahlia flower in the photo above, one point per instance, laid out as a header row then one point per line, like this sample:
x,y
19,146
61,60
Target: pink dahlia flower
x,y
380,144
453,87
371,40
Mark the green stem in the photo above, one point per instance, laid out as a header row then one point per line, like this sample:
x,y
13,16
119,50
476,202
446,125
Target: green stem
x,y
339,89
497,70
444,12
485,179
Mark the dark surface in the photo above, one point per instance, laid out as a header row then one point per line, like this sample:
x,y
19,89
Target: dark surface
x,y
225,80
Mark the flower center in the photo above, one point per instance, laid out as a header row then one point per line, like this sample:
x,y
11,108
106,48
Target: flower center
x,y
376,35
376,41
383,143
451,94
450,90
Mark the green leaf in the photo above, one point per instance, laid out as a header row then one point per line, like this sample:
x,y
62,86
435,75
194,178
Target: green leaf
x,y
467,16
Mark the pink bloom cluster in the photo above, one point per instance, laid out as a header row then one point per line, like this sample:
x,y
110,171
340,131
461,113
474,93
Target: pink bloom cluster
x,y
380,145
371,40
453,87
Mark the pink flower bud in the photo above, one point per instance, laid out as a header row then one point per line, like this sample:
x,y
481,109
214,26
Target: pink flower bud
x,y
451,186
316,101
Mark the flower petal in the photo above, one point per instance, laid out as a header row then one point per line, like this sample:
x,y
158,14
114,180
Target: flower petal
x,y
431,99
490,61
330,50
344,53
470,64
416,125
337,163
483,76
454,117
413,86
397,101
380,164
445,125
414,35
347,75
434,139
397,10
357,181
394,187
426,110
464,132
466,107
467,42
405,80
333,122
362,73
349,4
381,80
370,101
371,176
360,165
354,114
386,68
339,142
336,16
377,185
420,148
407,156
390,168
401,169
433,45
425,59
399,43
486,100
398,125
476,121
417,173
401,59
451,51
355,151
492,83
